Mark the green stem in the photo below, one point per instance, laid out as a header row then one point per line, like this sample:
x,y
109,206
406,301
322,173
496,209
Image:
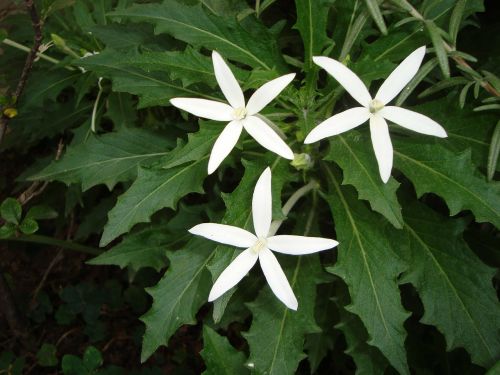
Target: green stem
x,y
275,225
45,240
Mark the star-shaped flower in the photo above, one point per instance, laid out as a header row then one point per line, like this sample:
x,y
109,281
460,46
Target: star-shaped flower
x,y
376,110
239,114
259,246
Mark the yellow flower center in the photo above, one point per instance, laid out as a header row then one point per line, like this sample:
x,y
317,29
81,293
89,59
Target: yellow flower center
x,y
240,113
259,245
375,106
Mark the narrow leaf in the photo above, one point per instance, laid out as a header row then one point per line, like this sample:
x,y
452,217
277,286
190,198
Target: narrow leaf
x,y
494,151
438,43
375,12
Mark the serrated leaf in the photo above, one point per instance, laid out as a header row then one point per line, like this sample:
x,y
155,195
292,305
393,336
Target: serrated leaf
x,y
252,45
277,334
130,74
239,214
354,154
179,294
369,266
219,356
454,285
106,159
153,190
312,18
434,169
145,248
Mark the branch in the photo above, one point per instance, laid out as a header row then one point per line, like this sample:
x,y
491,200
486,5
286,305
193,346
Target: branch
x,y
37,27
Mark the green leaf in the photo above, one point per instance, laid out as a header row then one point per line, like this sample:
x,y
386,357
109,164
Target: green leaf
x,y
46,355
493,152
41,212
7,230
456,20
130,73
239,214
355,156
106,159
369,266
277,334
145,248
376,13
11,210
434,169
179,294
92,358
249,43
121,110
28,226
312,16
219,356
153,190
454,285
438,43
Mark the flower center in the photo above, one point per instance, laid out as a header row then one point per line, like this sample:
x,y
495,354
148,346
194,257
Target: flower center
x,y
259,245
375,106
240,113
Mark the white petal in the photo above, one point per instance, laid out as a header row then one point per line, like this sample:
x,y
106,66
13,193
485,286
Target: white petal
x,y
267,137
224,144
297,245
209,109
413,121
276,279
382,145
400,76
267,92
226,234
339,123
346,77
232,275
227,82
262,201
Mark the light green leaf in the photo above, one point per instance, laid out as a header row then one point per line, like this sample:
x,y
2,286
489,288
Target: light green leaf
x,y
376,13
179,294
354,154
153,190
145,248
312,16
454,285
106,159
438,43
252,45
434,169
370,267
28,226
219,356
239,214
277,334
494,151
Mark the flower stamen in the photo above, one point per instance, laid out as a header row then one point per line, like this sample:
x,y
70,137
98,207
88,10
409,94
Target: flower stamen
x,y
259,245
375,106
240,113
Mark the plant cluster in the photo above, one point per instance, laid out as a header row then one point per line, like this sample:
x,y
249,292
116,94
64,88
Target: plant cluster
x,y
131,129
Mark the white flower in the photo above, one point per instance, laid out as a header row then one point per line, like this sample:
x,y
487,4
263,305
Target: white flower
x,y
239,114
259,246
376,110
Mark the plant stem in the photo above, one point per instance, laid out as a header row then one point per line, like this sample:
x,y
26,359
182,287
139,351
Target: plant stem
x,y
275,225
26,49
45,240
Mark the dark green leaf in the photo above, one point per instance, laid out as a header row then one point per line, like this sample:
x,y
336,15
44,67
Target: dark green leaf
x,y
28,226
46,355
454,285
179,294
219,356
106,159
11,210
369,265
376,13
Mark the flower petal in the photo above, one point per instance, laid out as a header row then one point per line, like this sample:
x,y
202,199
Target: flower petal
x,y
224,144
298,245
209,109
339,123
226,234
227,82
262,201
267,92
346,77
382,145
267,137
232,275
276,279
400,76
413,121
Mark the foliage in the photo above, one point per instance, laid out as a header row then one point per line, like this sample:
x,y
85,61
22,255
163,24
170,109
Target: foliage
x,y
98,161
